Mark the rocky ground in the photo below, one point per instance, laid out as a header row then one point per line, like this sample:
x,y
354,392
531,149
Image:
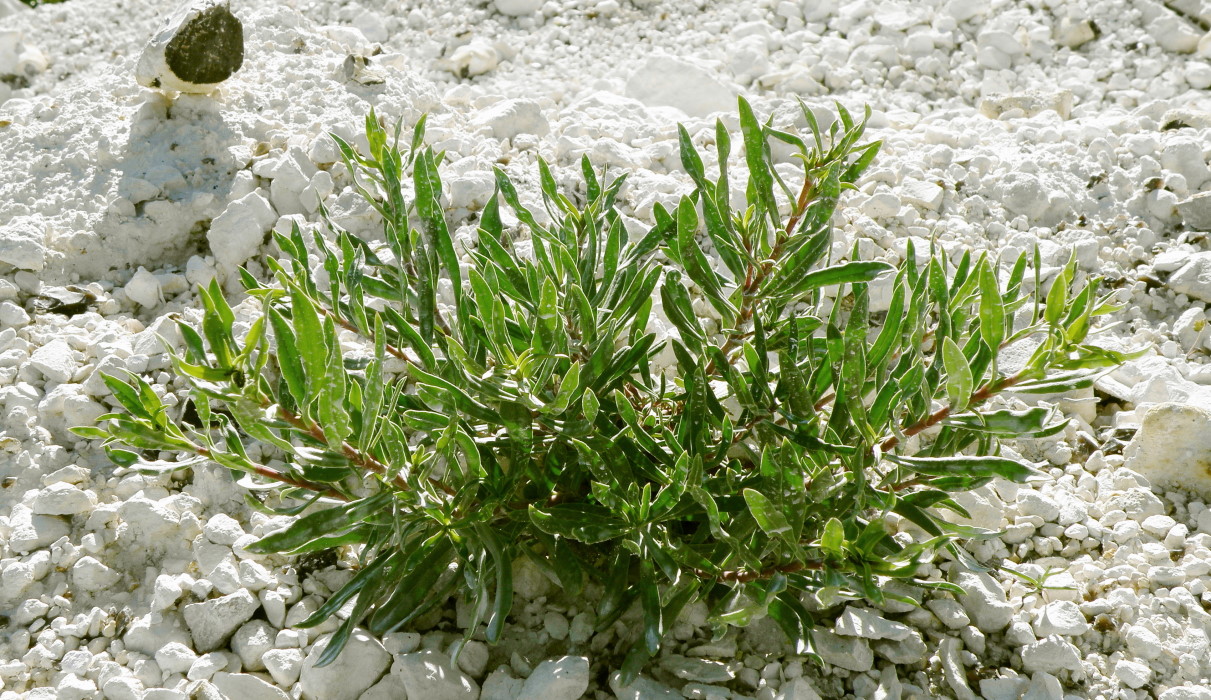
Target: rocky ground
x,y
1083,126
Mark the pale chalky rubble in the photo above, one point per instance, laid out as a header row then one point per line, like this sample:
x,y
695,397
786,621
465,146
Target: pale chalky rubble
x,y
1082,126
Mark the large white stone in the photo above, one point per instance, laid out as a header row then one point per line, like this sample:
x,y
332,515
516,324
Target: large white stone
x,y
508,118
22,244
236,234
1051,655
55,360
212,622
246,686
664,81
63,499
798,689
1196,211
429,674
1173,446
1194,278
1063,618
642,688
860,622
851,653
360,664
984,601
89,574
565,678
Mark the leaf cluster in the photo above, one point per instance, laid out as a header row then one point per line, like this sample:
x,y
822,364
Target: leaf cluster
x,y
445,413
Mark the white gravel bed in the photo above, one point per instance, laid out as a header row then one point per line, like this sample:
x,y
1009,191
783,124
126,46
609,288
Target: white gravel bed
x,y
1079,125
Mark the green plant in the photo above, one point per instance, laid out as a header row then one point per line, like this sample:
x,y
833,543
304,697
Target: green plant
x,y
756,476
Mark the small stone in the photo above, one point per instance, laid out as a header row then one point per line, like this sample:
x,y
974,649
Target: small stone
x,y
22,244
1194,278
429,674
1063,618
246,686
1044,686
1143,642
237,233
1051,655
905,652
175,657
565,678
473,658
212,622
664,81
1074,33
511,117
1132,674
518,8
144,289
501,685
984,601
850,653
359,665
284,665
89,574
949,612
1185,692
1196,211
927,195
251,641
199,46
860,622
642,688
206,666
555,625
63,499
55,361
1031,502
952,669
700,670
798,689
223,529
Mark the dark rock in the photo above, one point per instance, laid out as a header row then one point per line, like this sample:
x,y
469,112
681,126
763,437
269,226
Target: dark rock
x,y
200,46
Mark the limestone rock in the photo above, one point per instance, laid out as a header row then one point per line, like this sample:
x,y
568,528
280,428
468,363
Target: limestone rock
x,y
565,678
212,622
199,46
360,664
984,601
23,244
429,674
1173,446
664,81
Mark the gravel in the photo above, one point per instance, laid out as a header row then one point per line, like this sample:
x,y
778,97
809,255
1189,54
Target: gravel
x,y
1077,125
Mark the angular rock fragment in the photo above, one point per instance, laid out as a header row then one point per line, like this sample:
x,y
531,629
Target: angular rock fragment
x,y
199,46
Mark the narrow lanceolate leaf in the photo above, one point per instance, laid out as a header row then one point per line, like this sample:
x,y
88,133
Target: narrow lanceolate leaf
x,y
319,524
582,522
845,273
760,179
289,364
992,307
959,383
967,465
309,335
767,515
694,260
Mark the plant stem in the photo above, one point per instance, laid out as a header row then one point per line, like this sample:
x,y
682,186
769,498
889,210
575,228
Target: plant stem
x,y
982,394
268,473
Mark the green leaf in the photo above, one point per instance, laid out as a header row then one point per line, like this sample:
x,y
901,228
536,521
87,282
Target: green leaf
x,y
320,524
832,539
845,273
767,515
582,522
760,179
992,308
590,405
964,465
959,383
